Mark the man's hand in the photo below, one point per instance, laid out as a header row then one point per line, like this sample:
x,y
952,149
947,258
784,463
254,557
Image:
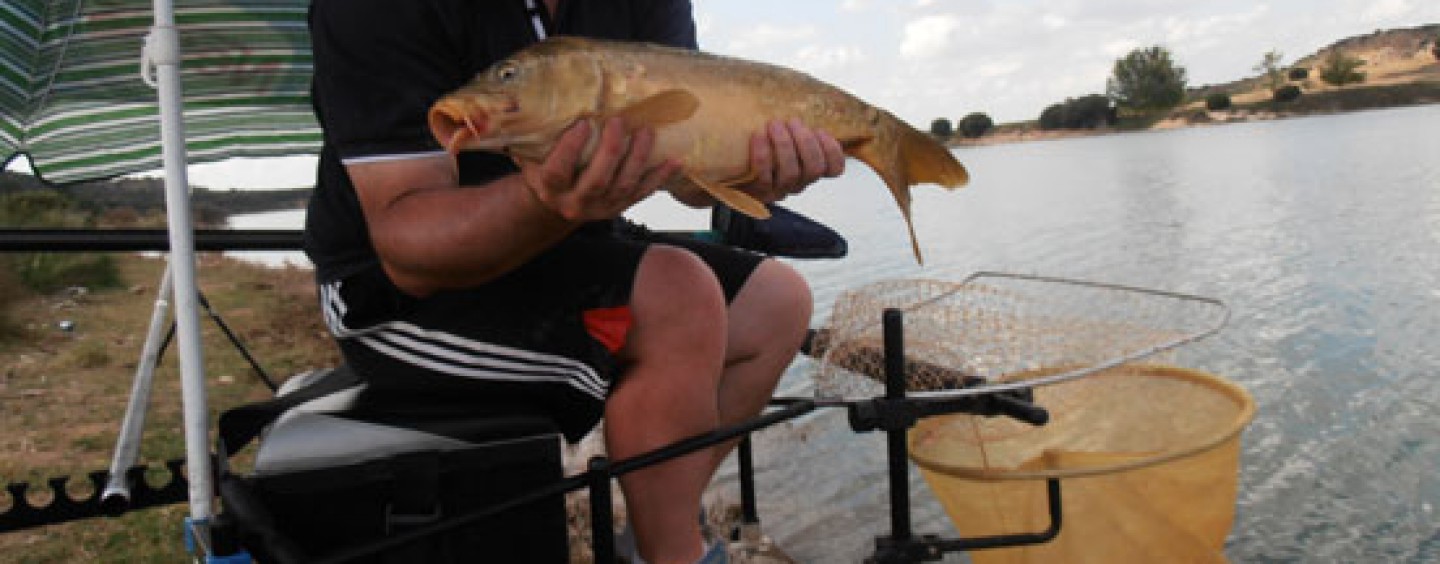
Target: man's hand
x,y
615,178
787,156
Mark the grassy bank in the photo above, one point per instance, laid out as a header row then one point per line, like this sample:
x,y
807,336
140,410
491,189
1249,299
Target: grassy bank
x,y
63,393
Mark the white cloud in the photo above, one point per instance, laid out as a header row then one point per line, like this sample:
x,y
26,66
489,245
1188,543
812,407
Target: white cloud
x,y
928,36
1382,10
1119,47
998,69
767,37
822,58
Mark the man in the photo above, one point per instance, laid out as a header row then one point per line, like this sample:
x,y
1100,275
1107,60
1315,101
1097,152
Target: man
x,y
466,279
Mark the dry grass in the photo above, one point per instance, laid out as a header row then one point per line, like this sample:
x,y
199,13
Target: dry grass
x,y
63,393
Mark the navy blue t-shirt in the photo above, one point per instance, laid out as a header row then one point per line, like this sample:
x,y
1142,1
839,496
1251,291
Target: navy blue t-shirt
x,y
380,64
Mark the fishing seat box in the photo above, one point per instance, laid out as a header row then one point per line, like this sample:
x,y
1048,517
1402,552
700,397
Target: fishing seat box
x,y
336,469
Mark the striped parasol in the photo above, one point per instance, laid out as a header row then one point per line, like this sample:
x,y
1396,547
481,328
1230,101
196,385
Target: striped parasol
x,y
72,96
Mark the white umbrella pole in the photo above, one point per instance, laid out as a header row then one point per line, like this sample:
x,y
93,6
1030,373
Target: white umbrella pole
x,y
162,49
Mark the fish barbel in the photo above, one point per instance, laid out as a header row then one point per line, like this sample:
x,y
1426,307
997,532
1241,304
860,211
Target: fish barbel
x,y
703,108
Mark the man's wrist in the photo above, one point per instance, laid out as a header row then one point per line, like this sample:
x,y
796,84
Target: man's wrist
x,y
537,206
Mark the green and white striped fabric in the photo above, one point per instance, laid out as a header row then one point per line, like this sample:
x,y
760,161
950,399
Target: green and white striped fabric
x,y
71,95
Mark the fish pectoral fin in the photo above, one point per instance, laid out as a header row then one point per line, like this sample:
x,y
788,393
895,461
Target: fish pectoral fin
x,y
665,108
728,195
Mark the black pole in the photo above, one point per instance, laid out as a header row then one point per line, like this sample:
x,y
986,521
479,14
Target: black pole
x,y
898,455
750,515
602,525
120,240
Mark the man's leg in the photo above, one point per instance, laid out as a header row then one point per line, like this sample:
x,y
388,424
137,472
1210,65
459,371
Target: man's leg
x,y
767,323
672,364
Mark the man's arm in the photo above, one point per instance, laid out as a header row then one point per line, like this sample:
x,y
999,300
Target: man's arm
x,y
431,233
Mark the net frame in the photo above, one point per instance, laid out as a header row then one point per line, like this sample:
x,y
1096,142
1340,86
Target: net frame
x,y
1034,324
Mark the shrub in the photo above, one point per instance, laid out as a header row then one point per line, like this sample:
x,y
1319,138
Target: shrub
x,y
1287,93
1085,112
48,272
39,208
1217,101
1053,117
941,128
1340,69
976,125
1299,73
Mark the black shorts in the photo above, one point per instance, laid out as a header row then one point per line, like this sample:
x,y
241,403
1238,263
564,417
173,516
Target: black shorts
x,y
539,340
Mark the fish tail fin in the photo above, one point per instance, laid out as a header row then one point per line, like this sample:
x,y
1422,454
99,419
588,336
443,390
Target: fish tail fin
x,y
903,156
884,157
927,161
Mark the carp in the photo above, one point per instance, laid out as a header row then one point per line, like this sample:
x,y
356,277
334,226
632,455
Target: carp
x,y
703,108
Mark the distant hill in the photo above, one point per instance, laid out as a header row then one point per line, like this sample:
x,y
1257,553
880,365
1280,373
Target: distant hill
x,y
148,195
1400,66
1394,56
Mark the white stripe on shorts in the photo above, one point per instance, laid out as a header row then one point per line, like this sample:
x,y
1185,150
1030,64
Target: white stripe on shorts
x,y
455,355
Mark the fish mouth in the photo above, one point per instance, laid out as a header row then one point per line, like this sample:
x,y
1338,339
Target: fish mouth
x,y
460,123
458,126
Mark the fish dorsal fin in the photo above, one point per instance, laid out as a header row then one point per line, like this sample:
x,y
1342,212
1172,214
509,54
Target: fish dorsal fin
x,y
664,108
737,200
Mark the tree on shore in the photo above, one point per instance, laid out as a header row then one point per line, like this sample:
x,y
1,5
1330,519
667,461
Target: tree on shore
x,y
1085,112
1340,69
1147,79
1270,69
1435,47
941,128
975,125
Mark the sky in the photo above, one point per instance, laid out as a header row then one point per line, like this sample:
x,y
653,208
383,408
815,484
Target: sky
x,y
925,59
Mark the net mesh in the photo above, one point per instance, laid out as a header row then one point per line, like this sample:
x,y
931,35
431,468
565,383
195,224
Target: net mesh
x,y
995,329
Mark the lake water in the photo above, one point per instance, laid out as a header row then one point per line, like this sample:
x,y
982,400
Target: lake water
x,y
1319,233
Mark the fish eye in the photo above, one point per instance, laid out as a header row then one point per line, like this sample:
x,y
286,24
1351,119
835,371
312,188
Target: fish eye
x,y
507,72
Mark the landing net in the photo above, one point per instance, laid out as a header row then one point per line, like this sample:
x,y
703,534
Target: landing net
x,y
996,331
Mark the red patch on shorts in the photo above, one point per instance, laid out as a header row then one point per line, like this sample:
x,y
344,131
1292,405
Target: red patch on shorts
x,y
609,325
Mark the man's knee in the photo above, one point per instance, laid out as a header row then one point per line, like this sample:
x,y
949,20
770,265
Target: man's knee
x,y
672,276
772,309
677,298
